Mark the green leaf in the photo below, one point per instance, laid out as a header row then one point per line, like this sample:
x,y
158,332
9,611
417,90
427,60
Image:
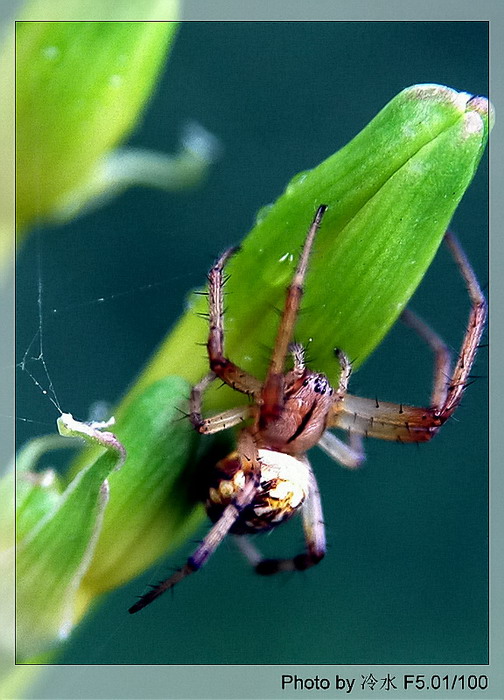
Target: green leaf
x,y
152,504
53,555
37,492
80,87
108,524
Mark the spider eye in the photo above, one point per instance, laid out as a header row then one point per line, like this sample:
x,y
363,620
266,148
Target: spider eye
x,y
320,384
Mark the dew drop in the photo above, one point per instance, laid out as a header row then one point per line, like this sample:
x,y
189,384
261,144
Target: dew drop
x,y
296,181
263,213
50,52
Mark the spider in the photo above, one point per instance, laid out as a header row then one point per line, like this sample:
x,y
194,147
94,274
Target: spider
x,y
268,477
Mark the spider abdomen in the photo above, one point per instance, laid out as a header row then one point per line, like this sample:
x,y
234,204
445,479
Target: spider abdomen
x,y
282,490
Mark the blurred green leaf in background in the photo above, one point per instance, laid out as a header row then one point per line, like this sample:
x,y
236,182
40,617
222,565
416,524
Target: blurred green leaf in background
x,y
79,91
81,87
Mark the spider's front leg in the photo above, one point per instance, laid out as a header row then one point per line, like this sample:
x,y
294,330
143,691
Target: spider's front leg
x,y
274,385
251,469
226,370
314,531
390,421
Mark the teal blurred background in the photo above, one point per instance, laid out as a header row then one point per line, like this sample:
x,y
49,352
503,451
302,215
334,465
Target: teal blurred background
x,y
405,577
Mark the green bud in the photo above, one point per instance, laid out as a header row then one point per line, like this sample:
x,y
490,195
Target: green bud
x,y
80,88
391,194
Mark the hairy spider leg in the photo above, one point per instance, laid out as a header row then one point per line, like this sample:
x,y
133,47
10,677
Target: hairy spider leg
x,y
349,454
391,421
475,327
298,355
273,388
345,372
250,465
314,531
226,370
442,355
221,421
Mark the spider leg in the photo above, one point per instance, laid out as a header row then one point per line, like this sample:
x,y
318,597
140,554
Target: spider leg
x,y
273,389
350,455
298,355
221,421
214,537
346,371
314,530
224,420
390,421
249,550
475,327
442,355
226,370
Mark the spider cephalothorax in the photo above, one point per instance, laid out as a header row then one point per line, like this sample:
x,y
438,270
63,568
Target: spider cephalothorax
x,y
268,477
